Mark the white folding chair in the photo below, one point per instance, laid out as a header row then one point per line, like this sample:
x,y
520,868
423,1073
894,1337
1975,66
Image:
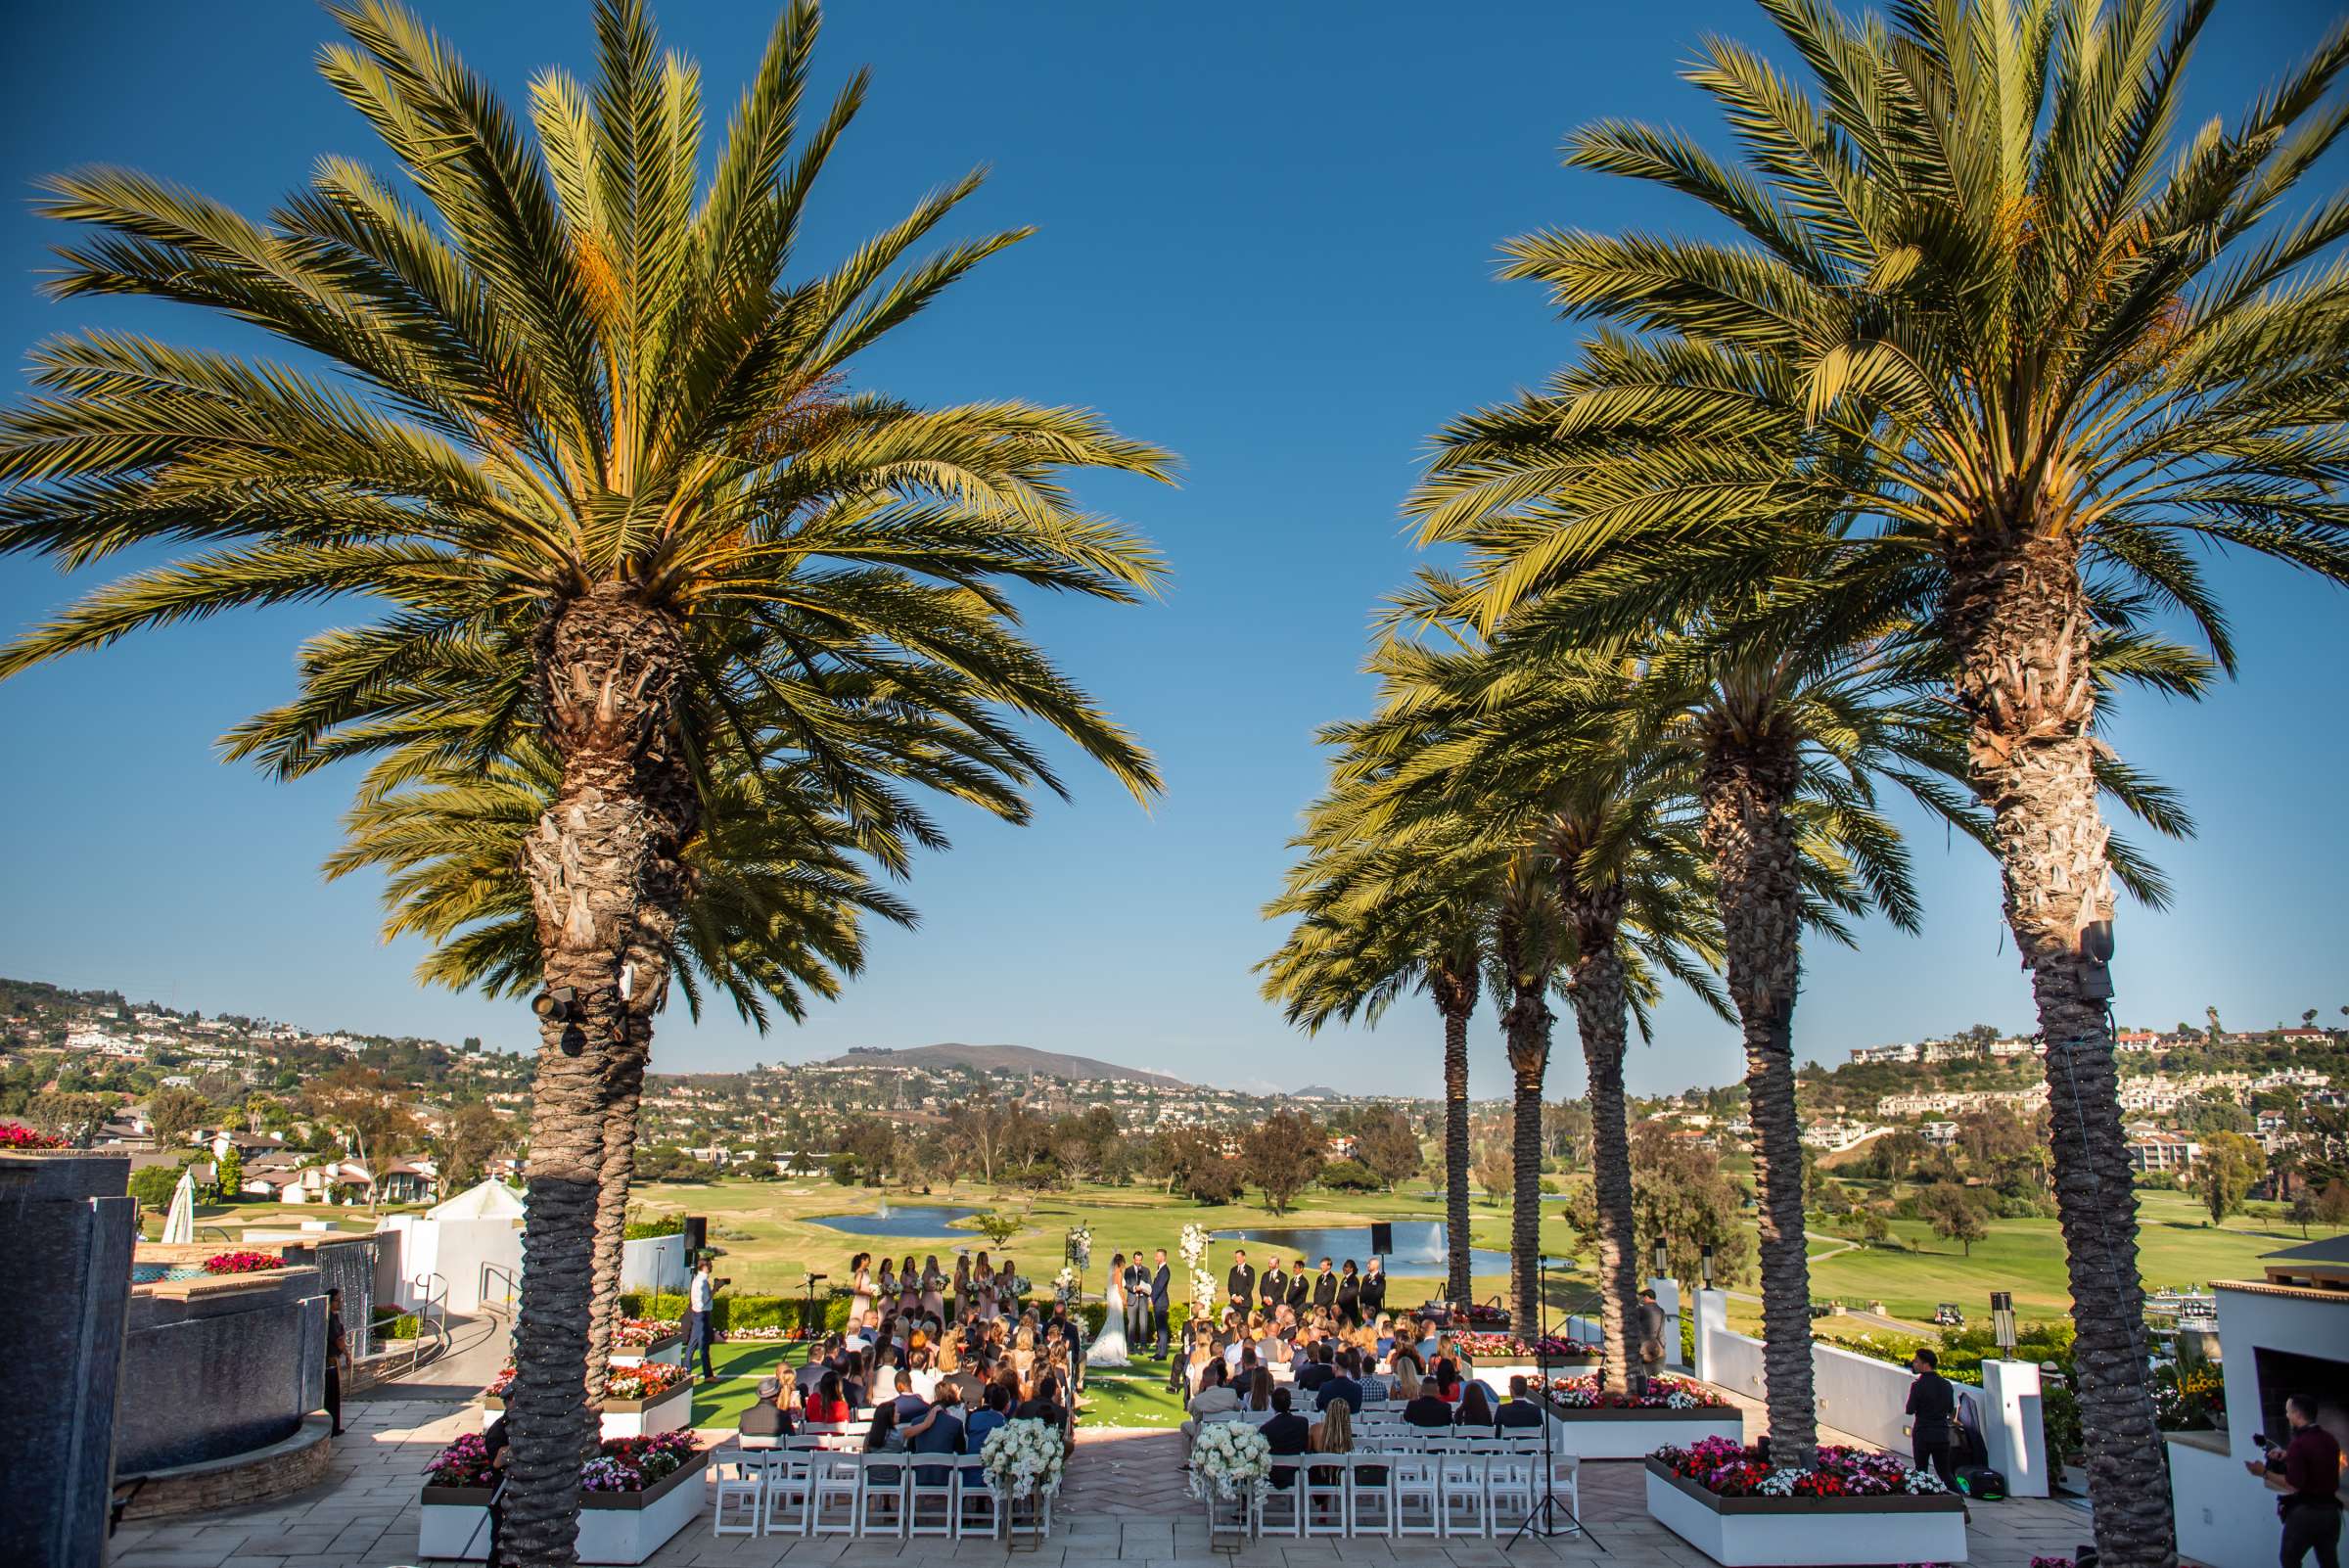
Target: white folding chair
x,y
977,1510
1369,1495
1280,1512
881,1504
1417,1503
1566,1479
740,1496
789,1506
942,1491
1461,1480
839,1491
1324,1502
1508,1487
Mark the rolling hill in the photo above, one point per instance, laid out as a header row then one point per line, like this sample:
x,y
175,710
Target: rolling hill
x,y
999,1059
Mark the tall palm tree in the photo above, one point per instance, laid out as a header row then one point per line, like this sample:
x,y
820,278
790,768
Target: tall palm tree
x,y
576,422
1539,769
2057,347
1373,923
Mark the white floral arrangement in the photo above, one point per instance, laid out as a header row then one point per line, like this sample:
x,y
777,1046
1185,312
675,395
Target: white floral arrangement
x,y
1065,1284
1022,1459
1203,1284
1081,1246
1230,1460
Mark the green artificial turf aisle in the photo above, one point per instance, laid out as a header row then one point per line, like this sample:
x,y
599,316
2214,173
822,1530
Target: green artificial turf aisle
x,y
739,1368
1133,1395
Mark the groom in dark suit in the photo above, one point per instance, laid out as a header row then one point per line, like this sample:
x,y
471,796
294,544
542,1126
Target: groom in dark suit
x,y
1299,1288
1161,1292
1136,1283
1240,1283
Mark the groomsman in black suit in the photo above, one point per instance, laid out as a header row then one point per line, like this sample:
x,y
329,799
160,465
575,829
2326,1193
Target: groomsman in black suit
x,y
1301,1287
1325,1286
1161,1293
1240,1283
1375,1291
1274,1288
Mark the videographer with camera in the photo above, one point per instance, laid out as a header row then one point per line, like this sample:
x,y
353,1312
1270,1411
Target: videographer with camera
x,y
2307,1470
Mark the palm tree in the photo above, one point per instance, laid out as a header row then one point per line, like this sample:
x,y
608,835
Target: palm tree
x,y
1374,923
585,439
1537,767
2052,353
777,885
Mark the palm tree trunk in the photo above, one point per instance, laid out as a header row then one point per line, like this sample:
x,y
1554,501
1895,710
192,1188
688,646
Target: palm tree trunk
x,y
2020,620
1528,1027
601,874
1600,1007
1747,833
1456,995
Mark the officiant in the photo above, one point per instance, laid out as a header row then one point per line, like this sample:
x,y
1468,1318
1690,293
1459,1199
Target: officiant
x,y
1241,1281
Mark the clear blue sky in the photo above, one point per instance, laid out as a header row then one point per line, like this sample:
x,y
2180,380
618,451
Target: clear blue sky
x,y
1266,241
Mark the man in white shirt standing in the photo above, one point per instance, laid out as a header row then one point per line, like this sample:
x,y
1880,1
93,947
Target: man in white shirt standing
x,y
701,1297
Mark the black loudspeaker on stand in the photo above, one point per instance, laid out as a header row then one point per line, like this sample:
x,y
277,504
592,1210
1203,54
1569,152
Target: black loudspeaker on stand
x,y
1382,1237
697,1237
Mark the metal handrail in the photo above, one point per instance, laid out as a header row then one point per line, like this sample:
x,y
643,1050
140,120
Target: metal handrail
x,y
492,1271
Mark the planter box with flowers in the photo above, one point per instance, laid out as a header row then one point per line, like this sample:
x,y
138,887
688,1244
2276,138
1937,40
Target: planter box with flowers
x,y
1853,1506
1591,1423
647,1339
632,1498
639,1401
1498,1358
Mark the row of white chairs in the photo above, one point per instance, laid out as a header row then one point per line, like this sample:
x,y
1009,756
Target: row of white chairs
x,y
831,1492
1398,1494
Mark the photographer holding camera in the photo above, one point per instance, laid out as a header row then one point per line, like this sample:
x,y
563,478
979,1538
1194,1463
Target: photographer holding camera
x,y
2307,1470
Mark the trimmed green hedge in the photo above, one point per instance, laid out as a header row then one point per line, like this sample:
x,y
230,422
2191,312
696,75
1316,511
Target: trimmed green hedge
x,y
733,1311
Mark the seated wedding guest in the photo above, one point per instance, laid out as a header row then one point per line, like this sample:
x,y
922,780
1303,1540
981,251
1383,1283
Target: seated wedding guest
x,y
1407,1383
1446,1381
1045,1406
1343,1388
1260,1389
818,1362
1427,1409
1429,1342
830,1405
1476,1406
1287,1433
994,1412
938,1430
768,1418
1214,1402
882,1433
1320,1370
1384,1328
1334,1434
910,1404
1404,1357
1522,1409
1376,1390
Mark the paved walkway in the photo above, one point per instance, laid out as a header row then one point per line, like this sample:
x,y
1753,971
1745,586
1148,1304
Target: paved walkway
x,y
1125,1502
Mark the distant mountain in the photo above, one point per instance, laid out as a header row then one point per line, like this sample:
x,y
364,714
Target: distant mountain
x,y
999,1059
1315,1091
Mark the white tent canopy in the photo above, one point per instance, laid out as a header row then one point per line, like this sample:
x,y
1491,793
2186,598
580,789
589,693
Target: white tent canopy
x,y
490,1200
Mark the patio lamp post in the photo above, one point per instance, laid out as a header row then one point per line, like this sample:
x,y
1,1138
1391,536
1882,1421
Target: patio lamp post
x,y
1704,1262
2001,1321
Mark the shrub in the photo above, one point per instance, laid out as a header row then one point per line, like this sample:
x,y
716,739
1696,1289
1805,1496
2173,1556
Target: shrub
x,y
1349,1176
1217,1181
646,1229
151,1186
732,1311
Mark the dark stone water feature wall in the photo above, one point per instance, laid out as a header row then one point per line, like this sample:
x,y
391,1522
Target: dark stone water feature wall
x,y
346,1263
212,1373
63,1300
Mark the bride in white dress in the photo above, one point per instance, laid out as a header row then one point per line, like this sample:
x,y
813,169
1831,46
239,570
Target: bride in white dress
x,y
1110,1349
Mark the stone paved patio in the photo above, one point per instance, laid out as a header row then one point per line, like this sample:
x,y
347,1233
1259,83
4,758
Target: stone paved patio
x,y
1124,1504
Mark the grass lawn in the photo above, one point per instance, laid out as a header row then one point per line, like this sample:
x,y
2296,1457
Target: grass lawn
x,y
766,1229
770,1242
1134,1396
739,1367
